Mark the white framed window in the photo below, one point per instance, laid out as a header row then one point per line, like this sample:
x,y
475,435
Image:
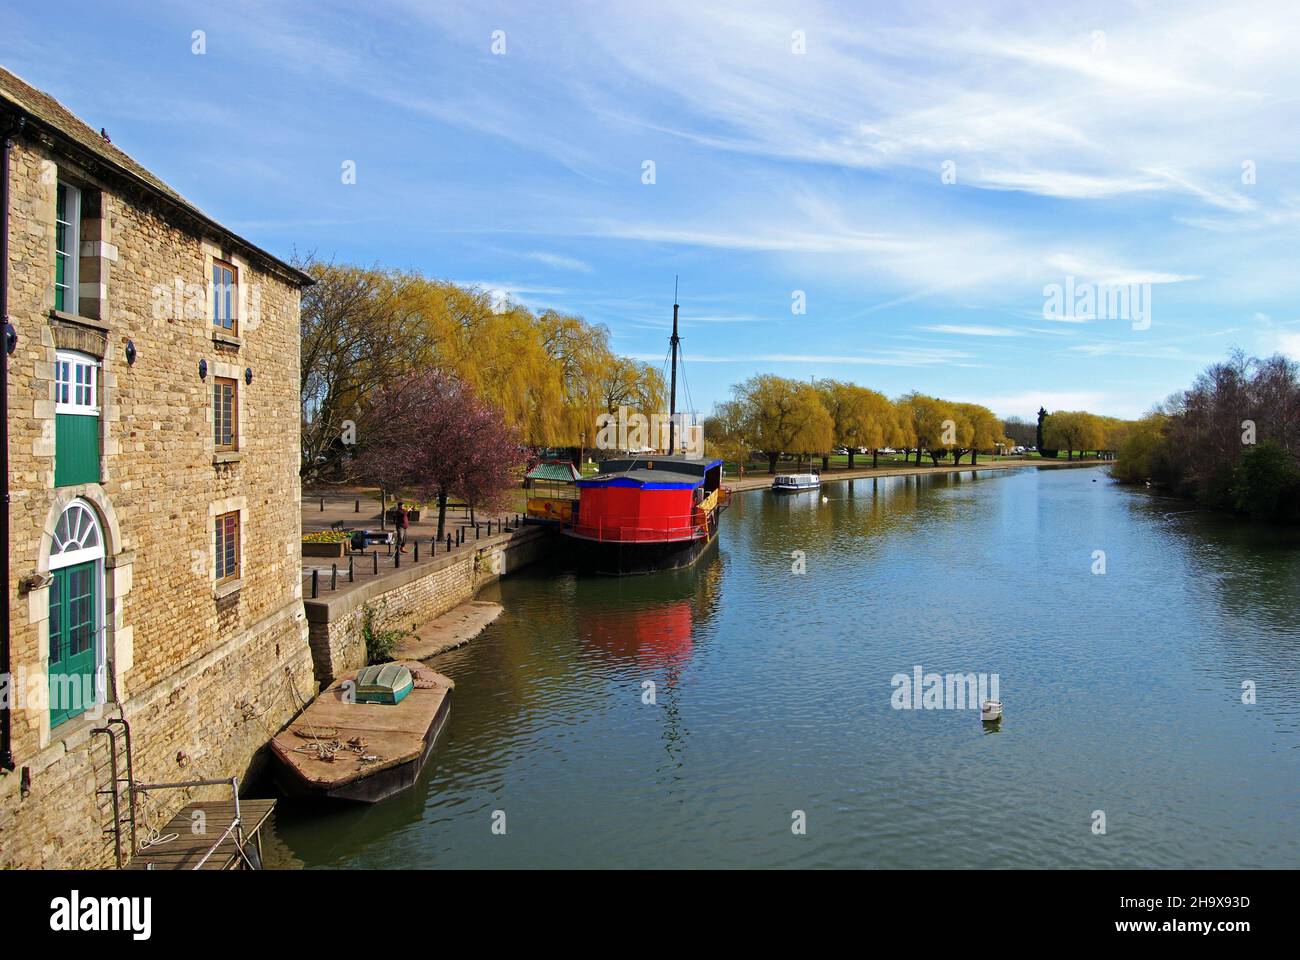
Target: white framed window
x,y
67,247
76,383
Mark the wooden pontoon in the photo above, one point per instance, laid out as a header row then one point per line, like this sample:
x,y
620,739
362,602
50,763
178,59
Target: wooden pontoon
x,y
345,750
217,846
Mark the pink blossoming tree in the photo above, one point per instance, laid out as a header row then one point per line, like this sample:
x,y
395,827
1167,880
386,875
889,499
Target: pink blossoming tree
x,y
429,434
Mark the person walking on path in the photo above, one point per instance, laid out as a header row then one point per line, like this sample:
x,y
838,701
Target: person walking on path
x,y
402,522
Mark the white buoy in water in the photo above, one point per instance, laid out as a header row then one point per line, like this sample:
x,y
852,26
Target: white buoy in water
x,y
991,711
825,499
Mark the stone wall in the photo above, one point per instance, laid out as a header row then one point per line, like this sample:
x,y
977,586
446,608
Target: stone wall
x,y
204,673
411,596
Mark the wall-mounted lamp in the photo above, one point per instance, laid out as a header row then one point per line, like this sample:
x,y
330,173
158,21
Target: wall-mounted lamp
x,y
248,374
130,353
11,339
34,581
203,369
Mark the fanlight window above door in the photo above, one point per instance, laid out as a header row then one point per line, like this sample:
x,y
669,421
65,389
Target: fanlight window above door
x,y
77,537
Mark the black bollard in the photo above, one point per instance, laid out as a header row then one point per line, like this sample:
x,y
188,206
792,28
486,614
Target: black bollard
x,y
417,551
322,504
397,559
334,576
375,557
315,584
351,572
356,506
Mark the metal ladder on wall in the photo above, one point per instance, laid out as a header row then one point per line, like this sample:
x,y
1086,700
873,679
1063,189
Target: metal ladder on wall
x,y
111,731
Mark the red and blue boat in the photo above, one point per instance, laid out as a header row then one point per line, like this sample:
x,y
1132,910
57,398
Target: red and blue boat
x,y
645,514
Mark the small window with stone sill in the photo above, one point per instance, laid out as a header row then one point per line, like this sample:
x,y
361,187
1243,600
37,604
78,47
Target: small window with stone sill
x,y
225,297
225,415
227,547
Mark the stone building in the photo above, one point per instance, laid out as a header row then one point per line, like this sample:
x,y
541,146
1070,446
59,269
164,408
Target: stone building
x,y
154,528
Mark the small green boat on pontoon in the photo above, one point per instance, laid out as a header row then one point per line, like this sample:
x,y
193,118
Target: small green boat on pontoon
x,y
367,736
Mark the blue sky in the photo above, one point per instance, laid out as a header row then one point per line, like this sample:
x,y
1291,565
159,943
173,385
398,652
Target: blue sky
x,y
1102,142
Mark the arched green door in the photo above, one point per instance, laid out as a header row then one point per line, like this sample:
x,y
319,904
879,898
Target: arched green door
x,y
76,611
73,606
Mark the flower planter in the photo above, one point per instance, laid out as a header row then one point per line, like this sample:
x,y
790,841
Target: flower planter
x,y
327,550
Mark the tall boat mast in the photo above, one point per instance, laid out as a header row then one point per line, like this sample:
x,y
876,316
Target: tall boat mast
x,y
642,514
672,398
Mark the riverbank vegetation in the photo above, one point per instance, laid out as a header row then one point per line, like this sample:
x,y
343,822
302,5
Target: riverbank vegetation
x,y
1231,441
549,375
777,417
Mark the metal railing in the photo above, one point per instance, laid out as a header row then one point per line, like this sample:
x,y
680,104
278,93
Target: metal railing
x,y
632,529
236,826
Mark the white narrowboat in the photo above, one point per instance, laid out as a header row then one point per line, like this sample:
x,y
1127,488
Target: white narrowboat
x,y
794,482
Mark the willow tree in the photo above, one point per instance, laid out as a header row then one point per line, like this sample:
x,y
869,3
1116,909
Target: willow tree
x,y
925,418
581,356
903,433
784,416
863,418
632,386
985,431
1072,430
499,350
1139,447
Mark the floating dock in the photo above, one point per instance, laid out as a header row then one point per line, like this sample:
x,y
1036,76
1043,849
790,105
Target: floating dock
x,y
345,750
184,847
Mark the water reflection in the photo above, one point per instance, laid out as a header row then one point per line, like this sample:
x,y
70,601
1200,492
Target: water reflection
x,y
1121,691
648,620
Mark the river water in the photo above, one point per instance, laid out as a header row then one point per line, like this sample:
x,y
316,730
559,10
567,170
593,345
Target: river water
x,y
774,696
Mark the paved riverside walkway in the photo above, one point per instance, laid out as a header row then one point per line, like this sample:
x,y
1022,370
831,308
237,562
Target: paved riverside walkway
x,y
359,510
759,481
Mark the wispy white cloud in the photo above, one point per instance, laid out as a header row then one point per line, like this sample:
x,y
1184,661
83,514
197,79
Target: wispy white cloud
x,y
1105,274
971,331
920,357
559,261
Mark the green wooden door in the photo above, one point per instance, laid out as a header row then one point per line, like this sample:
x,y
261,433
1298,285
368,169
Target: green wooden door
x,y
73,605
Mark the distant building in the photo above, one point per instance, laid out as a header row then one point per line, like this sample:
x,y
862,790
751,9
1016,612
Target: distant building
x,y
153,434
